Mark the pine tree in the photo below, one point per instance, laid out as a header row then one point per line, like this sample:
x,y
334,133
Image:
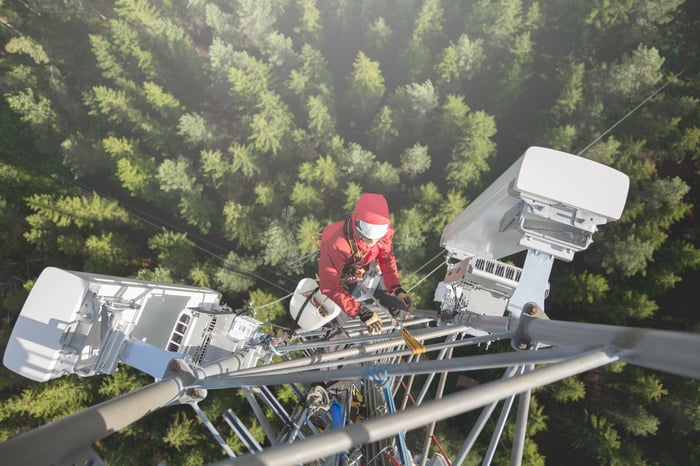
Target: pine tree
x,y
453,118
308,235
415,160
422,98
309,27
321,122
322,173
280,244
383,130
182,432
244,160
378,37
597,438
429,23
410,235
356,162
35,110
366,85
472,151
306,199
175,251
194,129
271,125
240,225
236,274
384,177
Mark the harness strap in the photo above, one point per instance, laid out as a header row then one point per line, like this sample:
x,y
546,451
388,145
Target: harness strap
x,y
351,268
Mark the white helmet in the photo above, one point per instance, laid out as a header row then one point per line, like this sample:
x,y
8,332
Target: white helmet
x,y
370,231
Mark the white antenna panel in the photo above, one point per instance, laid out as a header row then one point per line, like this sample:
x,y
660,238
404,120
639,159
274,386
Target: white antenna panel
x,y
547,200
76,322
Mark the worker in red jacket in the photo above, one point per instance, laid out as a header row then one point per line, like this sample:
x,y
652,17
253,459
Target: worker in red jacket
x,y
349,249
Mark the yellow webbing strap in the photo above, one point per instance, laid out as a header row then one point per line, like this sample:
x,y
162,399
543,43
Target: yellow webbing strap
x,y
416,346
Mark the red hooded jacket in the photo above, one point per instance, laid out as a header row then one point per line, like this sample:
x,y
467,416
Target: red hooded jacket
x,y
336,252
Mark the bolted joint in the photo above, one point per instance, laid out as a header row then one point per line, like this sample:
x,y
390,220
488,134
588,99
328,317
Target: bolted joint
x,y
193,395
522,345
521,340
179,369
174,365
533,310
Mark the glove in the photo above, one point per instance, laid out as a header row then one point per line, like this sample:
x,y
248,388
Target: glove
x,y
405,298
371,321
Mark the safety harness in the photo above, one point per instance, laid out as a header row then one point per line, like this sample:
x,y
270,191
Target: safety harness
x,y
354,268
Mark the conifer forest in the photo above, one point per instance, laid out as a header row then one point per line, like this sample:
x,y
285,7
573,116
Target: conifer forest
x,y
208,142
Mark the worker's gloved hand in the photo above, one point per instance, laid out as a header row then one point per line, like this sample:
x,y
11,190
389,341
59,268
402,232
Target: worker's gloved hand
x,y
371,321
405,298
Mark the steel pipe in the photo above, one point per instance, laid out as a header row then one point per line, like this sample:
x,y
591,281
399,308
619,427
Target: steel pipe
x,y
354,351
674,352
516,453
310,374
500,425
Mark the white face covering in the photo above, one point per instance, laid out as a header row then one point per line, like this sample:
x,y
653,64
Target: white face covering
x,y
371,231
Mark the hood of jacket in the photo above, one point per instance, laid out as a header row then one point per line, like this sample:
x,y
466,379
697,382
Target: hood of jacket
x,y
372,208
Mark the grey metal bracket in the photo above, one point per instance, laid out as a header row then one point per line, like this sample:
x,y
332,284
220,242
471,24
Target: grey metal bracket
x,y
534,282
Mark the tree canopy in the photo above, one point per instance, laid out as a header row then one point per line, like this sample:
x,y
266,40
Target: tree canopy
x,y
209,142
